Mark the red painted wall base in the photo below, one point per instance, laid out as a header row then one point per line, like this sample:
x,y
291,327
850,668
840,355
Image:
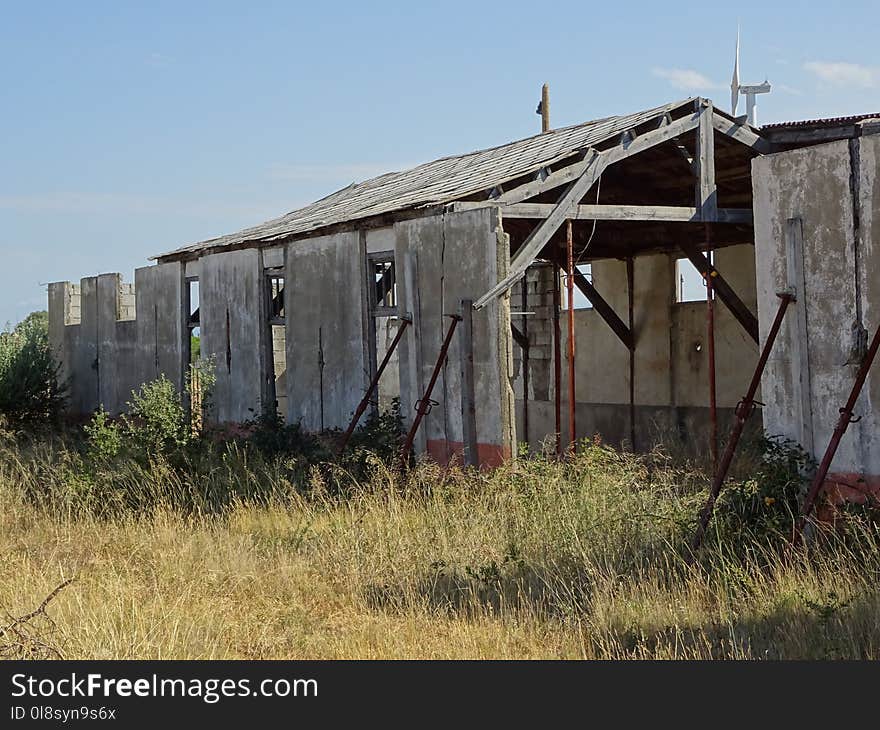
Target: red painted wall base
x,y
489,455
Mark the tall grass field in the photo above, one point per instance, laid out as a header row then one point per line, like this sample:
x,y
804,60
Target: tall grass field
x,y
221,549
152,536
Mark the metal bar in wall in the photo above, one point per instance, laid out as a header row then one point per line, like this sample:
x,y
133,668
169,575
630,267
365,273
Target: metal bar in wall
x,y
557,360
424,405
374,383
743,410
846,418
710,336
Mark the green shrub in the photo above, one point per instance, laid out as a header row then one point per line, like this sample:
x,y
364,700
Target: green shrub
x,y
157,418
766,501
103,437
31,393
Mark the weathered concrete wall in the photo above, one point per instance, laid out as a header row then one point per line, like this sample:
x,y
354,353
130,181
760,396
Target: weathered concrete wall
x,y
833,190
327,370
234,332
105,349
64,328
671,358
444,259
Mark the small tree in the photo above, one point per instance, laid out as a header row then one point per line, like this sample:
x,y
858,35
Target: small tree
x,y
30,391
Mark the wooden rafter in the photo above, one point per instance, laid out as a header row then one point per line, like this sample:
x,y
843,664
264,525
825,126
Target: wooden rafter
x,y
706,192
605,310
592,168
539,237
519,337
547,181
725,292
678,214
741,133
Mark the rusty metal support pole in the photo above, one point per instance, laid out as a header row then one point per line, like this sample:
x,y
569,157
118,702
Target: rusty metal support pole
x,y
424,405
846,418
743,410
630,296
557,360
572,431
710,346
362,406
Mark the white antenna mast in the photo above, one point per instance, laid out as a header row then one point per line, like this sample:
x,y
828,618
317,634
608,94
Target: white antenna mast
x,y
750,90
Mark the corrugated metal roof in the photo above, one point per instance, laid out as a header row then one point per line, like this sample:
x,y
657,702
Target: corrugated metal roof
x,y
441,181
829,122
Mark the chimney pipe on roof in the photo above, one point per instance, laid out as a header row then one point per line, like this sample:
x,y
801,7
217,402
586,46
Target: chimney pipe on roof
x,y
544,108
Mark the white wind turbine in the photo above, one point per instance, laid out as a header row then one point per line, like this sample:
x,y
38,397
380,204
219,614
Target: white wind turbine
x,y
750,91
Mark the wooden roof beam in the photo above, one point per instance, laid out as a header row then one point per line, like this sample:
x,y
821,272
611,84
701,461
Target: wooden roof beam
x,y
629,143
725,292
678,214
742,133
594,167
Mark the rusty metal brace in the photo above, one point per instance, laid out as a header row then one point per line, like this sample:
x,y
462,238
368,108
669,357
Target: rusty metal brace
x,y
362,406
424,409
846,418
425,404
744,409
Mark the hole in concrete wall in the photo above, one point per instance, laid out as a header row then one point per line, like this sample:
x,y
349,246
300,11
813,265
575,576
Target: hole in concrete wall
x,y
689,283
385,282
195,344
580,299
193,320
276,375
384,325
279,368
275,291
192,301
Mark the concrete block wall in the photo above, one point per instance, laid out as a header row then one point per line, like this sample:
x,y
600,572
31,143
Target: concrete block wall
x,y
833,190
104,349
279,357
671,360
538,325
389,383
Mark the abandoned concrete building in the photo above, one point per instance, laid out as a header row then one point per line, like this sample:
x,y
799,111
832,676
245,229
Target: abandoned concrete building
x,y
581,236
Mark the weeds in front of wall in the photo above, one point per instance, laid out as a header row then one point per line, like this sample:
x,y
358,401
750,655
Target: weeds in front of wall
x,y
222,550
293,551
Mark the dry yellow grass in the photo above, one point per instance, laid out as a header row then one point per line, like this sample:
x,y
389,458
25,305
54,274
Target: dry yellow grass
x,y
540,561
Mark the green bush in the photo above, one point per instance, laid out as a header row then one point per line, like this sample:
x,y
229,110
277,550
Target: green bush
x,y
766,501
103,437
31,393
157,417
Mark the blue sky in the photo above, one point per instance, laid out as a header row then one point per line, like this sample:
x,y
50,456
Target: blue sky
x,y
132,128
